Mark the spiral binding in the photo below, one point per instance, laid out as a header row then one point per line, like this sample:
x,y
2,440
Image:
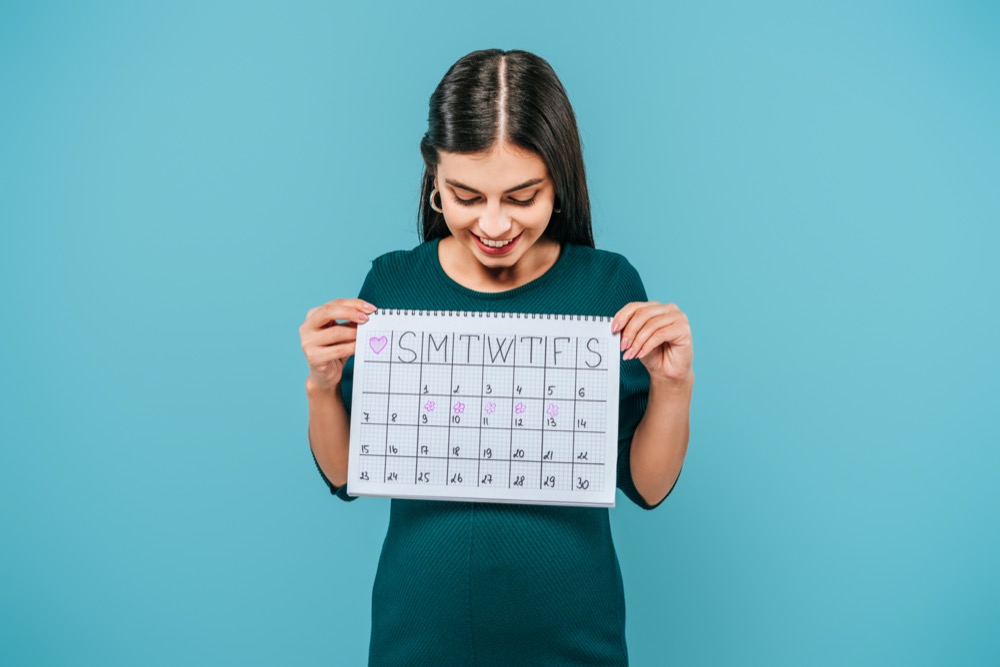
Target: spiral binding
x,y
490,315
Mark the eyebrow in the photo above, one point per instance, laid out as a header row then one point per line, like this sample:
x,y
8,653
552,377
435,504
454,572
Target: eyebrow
x,y
534,181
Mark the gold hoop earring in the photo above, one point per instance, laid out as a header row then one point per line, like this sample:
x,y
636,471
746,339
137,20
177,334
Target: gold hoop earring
x,y
433,192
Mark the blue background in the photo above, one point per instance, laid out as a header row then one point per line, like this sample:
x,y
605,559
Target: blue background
x,y
815,186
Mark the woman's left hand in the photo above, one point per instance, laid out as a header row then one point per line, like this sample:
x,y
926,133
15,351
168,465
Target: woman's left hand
x,y
659,336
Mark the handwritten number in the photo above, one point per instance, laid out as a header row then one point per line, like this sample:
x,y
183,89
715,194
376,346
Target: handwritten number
x,y
549,481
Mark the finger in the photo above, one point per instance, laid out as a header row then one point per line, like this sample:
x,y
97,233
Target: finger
x,y
328,314
337,304
621,318
638,321
649,327
359,304
341,333
675,334
338,333
325,355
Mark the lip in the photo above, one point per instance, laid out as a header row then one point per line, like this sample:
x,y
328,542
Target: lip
x,y
497,251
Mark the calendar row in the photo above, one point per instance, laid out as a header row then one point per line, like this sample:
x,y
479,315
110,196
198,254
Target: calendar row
x,y
587,385
494,474
482,413
485,445
411,348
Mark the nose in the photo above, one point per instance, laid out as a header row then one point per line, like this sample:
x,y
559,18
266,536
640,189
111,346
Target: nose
x,y
494,223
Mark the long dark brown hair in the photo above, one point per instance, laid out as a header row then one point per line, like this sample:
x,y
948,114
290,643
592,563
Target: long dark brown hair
x,y
465,115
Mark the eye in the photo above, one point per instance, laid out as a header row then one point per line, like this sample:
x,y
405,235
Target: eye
x,y
464,202
475,200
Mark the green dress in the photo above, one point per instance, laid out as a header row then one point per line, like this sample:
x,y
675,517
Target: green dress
x,y
483,584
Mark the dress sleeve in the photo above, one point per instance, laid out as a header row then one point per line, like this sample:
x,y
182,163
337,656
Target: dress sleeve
x,y
633,394
346,383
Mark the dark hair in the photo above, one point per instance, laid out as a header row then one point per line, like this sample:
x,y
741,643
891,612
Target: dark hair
x,y
464,117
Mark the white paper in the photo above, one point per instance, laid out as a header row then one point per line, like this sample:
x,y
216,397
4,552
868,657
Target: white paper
x,y
488,407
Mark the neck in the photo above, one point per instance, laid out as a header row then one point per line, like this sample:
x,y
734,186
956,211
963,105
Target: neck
x,y
463,267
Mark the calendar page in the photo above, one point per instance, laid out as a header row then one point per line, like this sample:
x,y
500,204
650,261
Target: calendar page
x,y
490,407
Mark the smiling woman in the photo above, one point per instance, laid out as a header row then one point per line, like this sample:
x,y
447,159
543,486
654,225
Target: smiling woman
x,y
505,222
496,236
491,101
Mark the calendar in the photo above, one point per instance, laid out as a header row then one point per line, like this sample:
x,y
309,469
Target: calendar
x,y
489,407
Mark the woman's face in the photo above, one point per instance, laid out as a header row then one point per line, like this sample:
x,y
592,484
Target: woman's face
x,y
496,204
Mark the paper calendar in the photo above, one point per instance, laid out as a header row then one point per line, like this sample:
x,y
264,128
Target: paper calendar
x,y
491,407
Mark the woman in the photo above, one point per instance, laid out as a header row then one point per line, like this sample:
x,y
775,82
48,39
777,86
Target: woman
x,y
505,222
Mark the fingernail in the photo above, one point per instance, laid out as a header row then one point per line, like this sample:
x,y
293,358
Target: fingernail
x,y
624,343
370,308
614,326
363,317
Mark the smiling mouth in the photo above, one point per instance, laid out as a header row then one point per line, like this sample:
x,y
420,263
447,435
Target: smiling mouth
x,y
496,247
495,244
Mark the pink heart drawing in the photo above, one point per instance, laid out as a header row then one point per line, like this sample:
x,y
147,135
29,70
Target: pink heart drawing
x,y
377,344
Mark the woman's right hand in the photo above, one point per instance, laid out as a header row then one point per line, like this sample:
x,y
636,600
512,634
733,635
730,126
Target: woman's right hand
x,y
328,338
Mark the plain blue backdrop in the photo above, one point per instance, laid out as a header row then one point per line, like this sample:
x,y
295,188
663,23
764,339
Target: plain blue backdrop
x,y
815,185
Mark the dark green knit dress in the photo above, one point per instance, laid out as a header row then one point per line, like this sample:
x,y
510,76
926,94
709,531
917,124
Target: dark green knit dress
x,y
478,584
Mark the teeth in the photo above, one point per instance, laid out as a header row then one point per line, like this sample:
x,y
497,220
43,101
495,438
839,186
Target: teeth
x,y
494,244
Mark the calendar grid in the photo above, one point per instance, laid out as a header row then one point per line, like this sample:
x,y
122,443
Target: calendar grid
x,y
453,429
434,420
510,450
576,385
541,450
449,414
385,452
420,382
482,382
438,363
417,393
